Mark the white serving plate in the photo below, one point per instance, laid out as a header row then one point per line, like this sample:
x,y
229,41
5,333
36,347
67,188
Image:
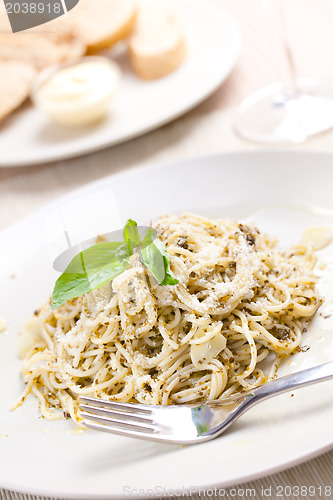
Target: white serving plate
x,y
284,192
28,136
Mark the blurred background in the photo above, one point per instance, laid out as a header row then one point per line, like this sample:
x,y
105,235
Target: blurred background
x,y
207,128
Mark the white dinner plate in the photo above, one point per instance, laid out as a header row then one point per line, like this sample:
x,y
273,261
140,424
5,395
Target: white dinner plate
x,y
214,40
284,193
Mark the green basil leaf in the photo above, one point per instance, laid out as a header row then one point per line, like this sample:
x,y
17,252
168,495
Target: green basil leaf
x,y
131,235
100,263
155,257
90,269
169,277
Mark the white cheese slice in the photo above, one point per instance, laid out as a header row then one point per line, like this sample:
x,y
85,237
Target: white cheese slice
x,y
30,335
3,325
318,237
203,353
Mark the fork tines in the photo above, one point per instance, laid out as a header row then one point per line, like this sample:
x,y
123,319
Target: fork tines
x,y
115,417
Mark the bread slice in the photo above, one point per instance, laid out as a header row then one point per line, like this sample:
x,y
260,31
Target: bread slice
x,y
157,46
23,55
4,20
15,82
67,40
41,49
30,49
102,23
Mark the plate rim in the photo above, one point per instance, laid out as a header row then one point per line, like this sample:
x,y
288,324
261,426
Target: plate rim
x,y
157,165
225,485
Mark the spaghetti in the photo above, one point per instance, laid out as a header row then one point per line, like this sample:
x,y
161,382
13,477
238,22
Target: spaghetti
x,y
239,299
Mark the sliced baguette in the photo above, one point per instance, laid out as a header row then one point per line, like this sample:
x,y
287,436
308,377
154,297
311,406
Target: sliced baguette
x,y
67,40
30,49
4,21
102,23
14,85
157,46
23,55
41,49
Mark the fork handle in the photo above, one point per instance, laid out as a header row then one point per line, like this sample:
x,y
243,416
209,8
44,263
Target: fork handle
x,y
294,381
284,384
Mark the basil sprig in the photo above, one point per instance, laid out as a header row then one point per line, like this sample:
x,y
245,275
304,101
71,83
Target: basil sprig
x,y
155,257
131,236
102,262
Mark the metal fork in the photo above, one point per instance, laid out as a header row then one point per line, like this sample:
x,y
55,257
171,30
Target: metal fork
x,y
185,424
